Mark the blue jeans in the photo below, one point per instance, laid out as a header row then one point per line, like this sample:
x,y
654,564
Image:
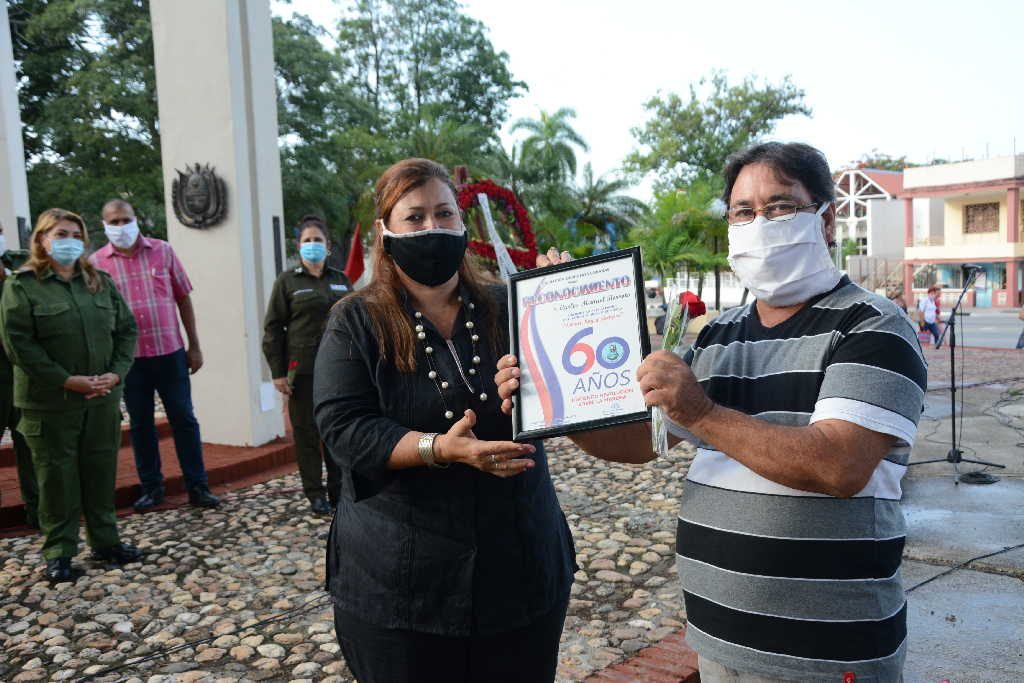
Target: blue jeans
x,y
934,329
168,376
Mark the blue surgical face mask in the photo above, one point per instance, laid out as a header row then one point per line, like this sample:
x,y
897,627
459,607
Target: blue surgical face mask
x,y
67,250
314,252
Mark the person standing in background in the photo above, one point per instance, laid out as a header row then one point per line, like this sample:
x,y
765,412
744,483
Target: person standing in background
x,y
9,414
70,336
154,283
929,308
299,305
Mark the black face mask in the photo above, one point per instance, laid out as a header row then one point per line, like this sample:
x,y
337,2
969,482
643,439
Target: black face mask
x,y
429,258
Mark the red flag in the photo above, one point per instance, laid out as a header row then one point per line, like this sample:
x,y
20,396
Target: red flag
x,y
354,265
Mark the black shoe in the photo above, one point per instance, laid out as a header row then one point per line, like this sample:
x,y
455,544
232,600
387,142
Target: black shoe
x,y
60,569
149,500
119,554
200,497
320,506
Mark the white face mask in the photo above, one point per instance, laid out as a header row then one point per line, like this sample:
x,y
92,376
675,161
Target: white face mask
x,y
122,236
783,263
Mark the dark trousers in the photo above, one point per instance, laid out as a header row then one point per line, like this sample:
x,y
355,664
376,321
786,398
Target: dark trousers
x,y
378,655
310,454
9,416
934,329
167,376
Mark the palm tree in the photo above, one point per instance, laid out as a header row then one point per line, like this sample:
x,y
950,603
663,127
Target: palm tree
x,y
681,230
447,141
549,144
601,201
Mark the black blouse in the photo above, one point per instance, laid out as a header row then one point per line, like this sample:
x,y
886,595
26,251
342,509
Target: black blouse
x,y
453,551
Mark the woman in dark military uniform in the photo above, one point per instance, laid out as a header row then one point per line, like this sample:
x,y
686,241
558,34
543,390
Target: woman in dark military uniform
x,y
299,304
9,415
71,338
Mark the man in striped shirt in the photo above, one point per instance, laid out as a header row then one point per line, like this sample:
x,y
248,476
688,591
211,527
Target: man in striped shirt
x,y
803,406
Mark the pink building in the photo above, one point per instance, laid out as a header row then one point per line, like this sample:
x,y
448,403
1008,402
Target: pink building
x,y
968,212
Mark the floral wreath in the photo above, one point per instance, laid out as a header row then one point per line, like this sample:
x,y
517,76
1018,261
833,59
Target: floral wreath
x,y
503,200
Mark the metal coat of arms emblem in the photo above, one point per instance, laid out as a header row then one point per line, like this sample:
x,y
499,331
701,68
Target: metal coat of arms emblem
x,y
200,197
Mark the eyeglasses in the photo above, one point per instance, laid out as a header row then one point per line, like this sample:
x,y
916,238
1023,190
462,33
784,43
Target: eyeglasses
x,y
776,211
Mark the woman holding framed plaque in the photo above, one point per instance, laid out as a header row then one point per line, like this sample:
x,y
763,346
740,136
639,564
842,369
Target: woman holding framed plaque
x,y
449,557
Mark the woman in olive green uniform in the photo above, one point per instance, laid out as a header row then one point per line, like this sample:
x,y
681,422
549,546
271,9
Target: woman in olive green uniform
x,y
299,304
9,415
71,338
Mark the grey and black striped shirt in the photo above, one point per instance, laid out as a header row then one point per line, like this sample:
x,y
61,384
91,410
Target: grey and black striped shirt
x,y
788,583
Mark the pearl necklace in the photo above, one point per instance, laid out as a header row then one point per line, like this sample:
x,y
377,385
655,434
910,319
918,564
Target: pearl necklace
x,y
433,374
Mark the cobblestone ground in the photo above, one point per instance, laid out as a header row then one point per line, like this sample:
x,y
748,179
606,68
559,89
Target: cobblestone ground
x,y
217,576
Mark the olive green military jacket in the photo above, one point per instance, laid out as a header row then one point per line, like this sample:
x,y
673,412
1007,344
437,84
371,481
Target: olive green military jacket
x,y
298,310
12,259
54,328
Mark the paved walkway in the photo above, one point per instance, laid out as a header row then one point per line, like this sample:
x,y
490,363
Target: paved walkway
x,y
246,579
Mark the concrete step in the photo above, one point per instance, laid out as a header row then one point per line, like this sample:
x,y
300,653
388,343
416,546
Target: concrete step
x,y
163,429
227,467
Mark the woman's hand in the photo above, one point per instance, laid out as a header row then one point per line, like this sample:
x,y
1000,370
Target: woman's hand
x,y
91,386
108,381
507,381
500,458
552,257
281,384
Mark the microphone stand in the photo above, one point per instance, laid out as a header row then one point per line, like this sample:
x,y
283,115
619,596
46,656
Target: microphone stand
x,y
955,455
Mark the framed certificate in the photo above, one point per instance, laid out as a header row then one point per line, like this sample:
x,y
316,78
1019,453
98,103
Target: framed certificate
x,y
579,330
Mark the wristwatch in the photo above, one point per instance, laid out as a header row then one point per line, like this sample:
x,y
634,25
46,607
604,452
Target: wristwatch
x,y
425,447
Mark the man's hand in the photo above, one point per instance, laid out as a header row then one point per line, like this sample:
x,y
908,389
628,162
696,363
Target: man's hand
x,y
281,384
668,382
507,381
195,359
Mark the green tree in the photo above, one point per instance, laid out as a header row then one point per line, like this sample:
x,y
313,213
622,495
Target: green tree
x,y
87,90
681,231
447,141
408,57
603,201
687,140
550,144
330,151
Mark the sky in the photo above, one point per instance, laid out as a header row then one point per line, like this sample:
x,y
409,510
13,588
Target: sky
x,y
928,80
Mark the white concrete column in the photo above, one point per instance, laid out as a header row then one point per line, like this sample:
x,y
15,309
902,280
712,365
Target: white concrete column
x,y
217,104
13,183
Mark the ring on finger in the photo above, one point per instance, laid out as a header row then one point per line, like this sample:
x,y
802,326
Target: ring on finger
x,y
494,459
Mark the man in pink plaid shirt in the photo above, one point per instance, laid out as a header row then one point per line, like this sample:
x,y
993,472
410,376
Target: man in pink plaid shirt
x,y
154,283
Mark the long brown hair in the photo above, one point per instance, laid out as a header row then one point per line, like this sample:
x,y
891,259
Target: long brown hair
x,y
383,296
39,261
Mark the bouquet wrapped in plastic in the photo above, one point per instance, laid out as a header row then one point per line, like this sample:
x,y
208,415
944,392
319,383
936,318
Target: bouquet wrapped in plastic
x,y
681,309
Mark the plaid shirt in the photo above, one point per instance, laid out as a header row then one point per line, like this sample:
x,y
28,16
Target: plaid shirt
x,y
152,280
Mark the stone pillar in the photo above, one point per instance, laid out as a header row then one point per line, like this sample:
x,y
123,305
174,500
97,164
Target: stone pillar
x,y
908,222
1012,288
13,183
908,283
1013,215
217,105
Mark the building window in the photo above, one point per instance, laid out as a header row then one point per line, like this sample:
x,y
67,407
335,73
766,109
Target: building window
x,y
981,218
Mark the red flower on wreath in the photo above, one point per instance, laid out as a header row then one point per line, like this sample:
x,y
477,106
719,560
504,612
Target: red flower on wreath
x,y
504,200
